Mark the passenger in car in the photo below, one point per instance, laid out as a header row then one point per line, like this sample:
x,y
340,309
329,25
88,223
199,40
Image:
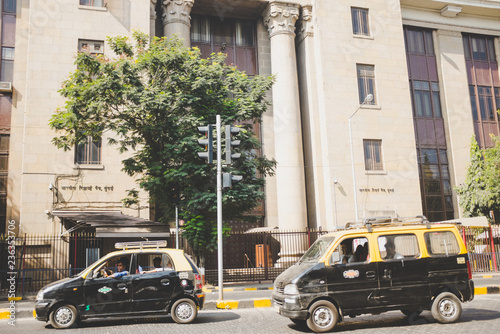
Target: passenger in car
x,y
121,267
346,247
157,266
391,251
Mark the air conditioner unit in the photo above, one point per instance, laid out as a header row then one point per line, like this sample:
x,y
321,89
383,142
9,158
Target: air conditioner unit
x,y
5,86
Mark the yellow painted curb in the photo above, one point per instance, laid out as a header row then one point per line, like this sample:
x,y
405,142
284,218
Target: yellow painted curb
x,y
15,298
262,303
480,291
34,314
4,313
250,289
487,276
229,305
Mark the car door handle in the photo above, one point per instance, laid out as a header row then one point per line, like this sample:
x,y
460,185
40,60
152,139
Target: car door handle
x,y
165,281
387,274
370,275
121,286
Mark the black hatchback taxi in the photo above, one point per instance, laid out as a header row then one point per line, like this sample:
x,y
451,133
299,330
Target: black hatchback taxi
x,y
141,279
375,266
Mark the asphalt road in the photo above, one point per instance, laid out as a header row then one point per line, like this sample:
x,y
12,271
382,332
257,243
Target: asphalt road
x,y
482,315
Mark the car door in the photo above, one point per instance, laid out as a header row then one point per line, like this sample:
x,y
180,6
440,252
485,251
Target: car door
x,y
403,278
154,287
353,284
107,295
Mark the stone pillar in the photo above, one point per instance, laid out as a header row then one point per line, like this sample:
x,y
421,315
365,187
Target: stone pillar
x,y
455,98
280,18
152,18
176,19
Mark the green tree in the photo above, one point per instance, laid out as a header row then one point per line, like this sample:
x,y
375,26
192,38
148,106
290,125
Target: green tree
x,y
481,191
152,98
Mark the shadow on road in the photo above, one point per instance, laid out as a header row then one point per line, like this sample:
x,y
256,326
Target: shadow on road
x,y
394,319
203,318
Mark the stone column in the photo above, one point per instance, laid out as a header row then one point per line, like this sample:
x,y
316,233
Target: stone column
x,y
152,18
280,18
176,19
455,99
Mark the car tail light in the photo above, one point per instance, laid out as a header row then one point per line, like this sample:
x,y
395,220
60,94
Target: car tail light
x,y
469,270
198,282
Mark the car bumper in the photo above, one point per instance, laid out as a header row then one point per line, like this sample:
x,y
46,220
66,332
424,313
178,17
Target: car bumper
x,y
42,308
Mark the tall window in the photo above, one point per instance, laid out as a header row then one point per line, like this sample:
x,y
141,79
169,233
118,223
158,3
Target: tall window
x,y
435,184
484,86
373,154
94,3
360,21
366,82
4,165
236,38
88,152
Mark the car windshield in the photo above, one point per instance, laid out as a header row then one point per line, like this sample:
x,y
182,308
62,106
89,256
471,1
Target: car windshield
x,y
317,249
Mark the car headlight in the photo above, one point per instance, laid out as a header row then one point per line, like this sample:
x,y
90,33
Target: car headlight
x,y
39,295
291,289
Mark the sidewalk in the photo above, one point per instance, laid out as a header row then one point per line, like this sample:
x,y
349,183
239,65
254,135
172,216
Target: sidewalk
x,y
24,308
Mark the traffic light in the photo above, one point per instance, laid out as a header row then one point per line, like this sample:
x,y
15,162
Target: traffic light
x,y
207,142
228,179
230,143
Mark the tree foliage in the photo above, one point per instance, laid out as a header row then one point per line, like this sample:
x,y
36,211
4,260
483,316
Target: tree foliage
x,y
149,100
481,191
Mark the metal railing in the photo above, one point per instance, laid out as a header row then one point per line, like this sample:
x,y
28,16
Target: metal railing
x,y
248,256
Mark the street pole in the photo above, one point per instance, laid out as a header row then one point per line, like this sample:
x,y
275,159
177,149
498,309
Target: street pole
x,y
176,227
219,207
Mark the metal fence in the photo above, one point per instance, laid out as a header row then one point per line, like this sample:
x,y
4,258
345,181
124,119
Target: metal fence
x,y
248,256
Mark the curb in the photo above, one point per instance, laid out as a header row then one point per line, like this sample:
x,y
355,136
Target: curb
x,y
237,304
211,290
487,290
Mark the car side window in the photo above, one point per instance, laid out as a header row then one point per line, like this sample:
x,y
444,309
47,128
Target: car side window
x,y
442,243
351,250
398,246
150,263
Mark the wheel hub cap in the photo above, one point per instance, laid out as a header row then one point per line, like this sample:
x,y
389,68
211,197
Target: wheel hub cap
x,y
322,317
184,311
447,308
63,316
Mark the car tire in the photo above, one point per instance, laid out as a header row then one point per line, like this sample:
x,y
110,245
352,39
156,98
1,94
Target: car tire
x,y
184,311
64,316
323,316
446,308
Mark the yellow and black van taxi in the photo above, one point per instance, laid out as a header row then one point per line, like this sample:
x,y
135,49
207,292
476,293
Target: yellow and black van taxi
x,y
143,278
379,265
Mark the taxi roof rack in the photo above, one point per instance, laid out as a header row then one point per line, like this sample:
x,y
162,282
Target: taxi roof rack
x,y
141,244
371,222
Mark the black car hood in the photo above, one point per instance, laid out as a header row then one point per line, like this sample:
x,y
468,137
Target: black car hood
x,y
293,274
60,282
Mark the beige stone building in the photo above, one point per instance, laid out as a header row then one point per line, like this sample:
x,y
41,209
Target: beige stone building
x,y
373,109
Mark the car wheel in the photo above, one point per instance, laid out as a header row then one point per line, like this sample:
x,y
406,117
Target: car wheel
x,y
323,316
446,308
184,311
64,316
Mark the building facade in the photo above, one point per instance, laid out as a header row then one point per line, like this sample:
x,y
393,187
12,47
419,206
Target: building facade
x,y
373,109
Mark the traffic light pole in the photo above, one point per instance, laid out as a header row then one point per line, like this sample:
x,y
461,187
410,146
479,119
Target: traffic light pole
x,y
219,208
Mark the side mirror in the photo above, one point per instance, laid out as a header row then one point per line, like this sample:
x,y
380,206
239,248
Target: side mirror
x,y
335,258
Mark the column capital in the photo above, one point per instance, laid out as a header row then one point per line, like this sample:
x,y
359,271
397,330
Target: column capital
x,y
305,23
177,11
280,18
